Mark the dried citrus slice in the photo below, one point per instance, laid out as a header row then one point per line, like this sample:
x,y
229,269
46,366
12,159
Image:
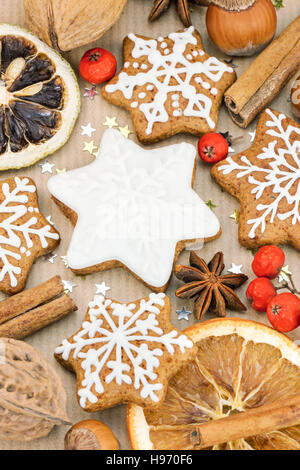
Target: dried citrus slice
x,y
240,365
39,98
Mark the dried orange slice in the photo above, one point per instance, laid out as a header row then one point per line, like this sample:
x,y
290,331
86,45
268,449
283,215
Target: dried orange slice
x,y
240,365
39,98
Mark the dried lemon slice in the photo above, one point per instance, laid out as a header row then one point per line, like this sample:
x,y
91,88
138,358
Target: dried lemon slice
x,y
39,98
240,365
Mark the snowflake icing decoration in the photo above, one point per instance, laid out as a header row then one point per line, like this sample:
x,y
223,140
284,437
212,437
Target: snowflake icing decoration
x,y
14,206
280,174
126,334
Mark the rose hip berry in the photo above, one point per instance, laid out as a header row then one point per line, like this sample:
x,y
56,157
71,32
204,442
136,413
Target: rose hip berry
x,y
213,147
284,312
268,261
97,66
260,292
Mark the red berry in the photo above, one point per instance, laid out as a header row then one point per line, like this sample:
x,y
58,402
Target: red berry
x,y
259,293
284,312
212,147
268,261
97,66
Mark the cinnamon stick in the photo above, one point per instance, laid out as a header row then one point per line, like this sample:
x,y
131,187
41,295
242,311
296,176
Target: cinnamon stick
x,y
30,298
277,415
265,77
36,319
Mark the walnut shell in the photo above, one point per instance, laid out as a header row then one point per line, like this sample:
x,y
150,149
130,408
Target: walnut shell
x,y
32,397
65,25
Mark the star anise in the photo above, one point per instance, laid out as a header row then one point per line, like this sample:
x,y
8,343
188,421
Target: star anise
x,y
212,291
160,6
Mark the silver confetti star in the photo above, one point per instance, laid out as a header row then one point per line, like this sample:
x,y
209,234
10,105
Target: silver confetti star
x,y
50,257
235,269
49,219
183,314
87,130
69,285
64,260
252,136
46,167
285,274
102,288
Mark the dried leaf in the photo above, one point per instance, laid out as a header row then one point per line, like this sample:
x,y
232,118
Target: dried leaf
x,y
32,397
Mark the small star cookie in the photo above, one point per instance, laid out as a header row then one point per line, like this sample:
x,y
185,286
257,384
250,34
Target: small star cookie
x,y
25,234
266,180
125,352
169,85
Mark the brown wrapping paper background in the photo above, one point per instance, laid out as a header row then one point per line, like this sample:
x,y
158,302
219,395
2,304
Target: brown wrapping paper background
x,y
125,287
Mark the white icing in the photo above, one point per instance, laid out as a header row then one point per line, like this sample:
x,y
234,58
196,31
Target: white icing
x,y
163,45
214,91
126,65
134,104
106,338
189,56
199,105
142,95
134,205
135,65
144,66
13,207
167,51
150,87
195,53
277,173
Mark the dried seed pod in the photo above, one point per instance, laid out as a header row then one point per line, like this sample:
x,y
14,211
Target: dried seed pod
x,y
90,435
32,397
67,24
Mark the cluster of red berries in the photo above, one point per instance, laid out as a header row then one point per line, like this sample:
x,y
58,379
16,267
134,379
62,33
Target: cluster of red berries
x,y
283,310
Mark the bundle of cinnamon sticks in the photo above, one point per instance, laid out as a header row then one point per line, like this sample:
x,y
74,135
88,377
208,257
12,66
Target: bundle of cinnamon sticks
x,y
33,309
265,77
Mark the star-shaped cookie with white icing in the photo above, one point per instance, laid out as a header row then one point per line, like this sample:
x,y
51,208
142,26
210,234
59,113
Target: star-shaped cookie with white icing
x,y
133,208
125,352
25,234
266,180
169,85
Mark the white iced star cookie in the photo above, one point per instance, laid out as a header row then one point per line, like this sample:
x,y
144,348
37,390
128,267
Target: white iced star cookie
x,y
266,180
125,352
169,85
133,208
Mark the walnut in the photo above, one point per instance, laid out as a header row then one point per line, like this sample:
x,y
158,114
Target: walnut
x,y
32,397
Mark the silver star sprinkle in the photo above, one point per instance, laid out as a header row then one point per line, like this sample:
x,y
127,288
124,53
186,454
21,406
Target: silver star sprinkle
x,y
183,314
69,285
64,260
49,219
91,92
252,136
46,167
102,288
87,130
284,275
235,268
50,257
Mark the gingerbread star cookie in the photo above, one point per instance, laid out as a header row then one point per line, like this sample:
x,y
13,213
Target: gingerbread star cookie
x,y
169,85
25,234
266,180
133,208
125,352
